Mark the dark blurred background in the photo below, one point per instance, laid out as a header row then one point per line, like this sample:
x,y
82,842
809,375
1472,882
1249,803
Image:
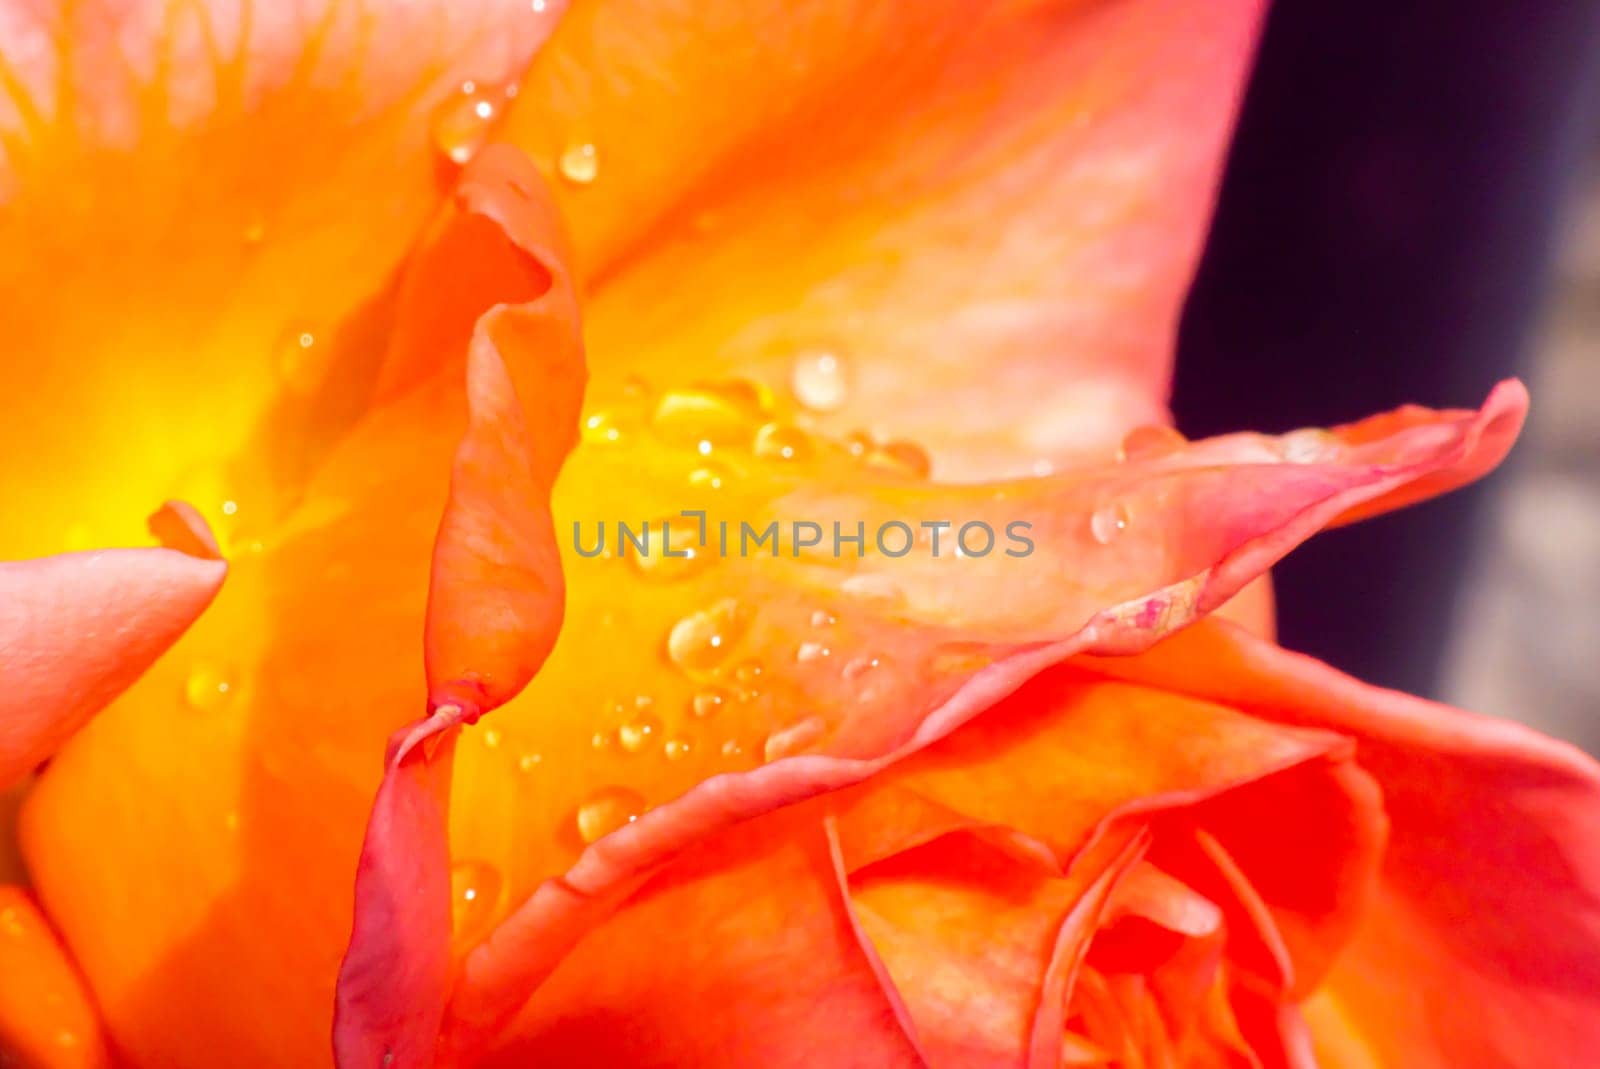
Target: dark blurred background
x,y
1411,212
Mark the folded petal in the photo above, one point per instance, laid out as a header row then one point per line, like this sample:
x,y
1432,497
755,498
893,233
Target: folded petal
x,y
689,692
77,629
495,603
995,201
242,768
47,1018
201,208
1492,876
743,952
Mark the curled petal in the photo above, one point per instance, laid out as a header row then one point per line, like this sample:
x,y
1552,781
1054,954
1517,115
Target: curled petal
x,y
1492,876
494,609
743,952
799,674
77,629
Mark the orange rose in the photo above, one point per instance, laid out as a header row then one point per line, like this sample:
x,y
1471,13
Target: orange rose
x,y
411,306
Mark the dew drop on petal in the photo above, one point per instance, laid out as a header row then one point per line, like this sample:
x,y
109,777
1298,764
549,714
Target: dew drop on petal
x,y
859,443
606,810
702,640
208,688
811,651
708,477
639,733
529,761
677,748
823,618
463,121
731,748
901,458
1108,522
686,556
300,359
706,702
706,417
875,589
600,428
791,740
860,666
579,163
1310,446
820,380
474,899
775,441
1150,441
603,740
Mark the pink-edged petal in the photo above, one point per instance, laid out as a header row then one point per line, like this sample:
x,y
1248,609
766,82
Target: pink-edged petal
x,y
77,629
494,610
1198,533
1492,877
742,952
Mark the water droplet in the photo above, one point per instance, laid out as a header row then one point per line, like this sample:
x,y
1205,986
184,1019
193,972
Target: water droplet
x,y
820,380
1310,446
529,761
879,590
860,666
677,748
579,163
601,428
301,360
606,810
708,477
823,618
960,658
1149,442
686,557
208,688
705,417
811,651
474,899
731,748
603,740
707,702
491,738
796,737
638,733
1108,522
859,443
464,120
901,458
702,640
775,441
748,672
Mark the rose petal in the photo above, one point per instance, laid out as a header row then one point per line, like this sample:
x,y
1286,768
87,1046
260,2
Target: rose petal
x,y
77,629
251,802
47,1018
201,208
494,608
959,636
1001,202
731,957
1491,876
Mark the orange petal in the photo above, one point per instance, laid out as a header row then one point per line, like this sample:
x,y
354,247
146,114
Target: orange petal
x,y
495,602
1492,877
251,797
1001,202
201,208
743,952
672,671
77,629
47,1019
